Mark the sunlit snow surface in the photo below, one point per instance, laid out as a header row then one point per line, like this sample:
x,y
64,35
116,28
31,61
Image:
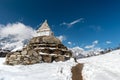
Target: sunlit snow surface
x,y
103,67
42,71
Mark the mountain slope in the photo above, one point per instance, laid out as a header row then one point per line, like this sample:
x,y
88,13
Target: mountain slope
x,y
102,67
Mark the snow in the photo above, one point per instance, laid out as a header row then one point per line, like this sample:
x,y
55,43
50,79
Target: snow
x,y
17,49
102,67
46,54
41,71
81,53
14,35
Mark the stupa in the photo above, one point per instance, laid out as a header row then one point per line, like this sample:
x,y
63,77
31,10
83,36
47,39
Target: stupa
x,y
44,47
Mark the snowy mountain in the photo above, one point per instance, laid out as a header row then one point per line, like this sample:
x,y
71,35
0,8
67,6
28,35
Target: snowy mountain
x,y
81,53
15,35
10,42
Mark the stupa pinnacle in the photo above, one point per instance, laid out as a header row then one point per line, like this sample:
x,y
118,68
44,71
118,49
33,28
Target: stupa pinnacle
x,y
44,30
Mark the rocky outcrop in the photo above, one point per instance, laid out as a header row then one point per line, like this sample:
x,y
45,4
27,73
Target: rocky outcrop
x,y
40,49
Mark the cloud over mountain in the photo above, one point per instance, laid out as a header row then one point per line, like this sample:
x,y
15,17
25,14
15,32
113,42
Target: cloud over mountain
x,y
15,35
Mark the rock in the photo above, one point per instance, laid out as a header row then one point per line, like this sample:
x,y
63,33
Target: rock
x,y
24,52
8,55
33,61
35,54
39,58
26,62
46,51
17,53
30,52
18,57
59,58
47,58
58,52
68,54
13,57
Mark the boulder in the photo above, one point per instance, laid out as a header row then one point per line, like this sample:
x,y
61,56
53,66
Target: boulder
x,y
58,52
59,58
24,52
47,58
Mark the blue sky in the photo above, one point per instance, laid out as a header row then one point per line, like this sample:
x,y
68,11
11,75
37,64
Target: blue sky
x,y
80,22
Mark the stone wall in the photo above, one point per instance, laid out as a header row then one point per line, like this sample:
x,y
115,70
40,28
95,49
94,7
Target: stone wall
x,y
40,49
23,57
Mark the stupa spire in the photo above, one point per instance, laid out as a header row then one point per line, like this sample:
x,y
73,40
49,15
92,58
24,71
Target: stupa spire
x,y
44,30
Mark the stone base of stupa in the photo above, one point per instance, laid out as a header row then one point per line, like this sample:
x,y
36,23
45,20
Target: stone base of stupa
x,y
40,49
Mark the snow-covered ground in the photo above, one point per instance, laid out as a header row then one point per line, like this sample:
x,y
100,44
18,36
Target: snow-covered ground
x,y
42,71
102,67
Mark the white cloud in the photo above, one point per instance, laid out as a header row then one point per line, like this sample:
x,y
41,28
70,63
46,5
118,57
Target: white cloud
x,y
69,43
108,42
20,30
72,23
89,46
61,38
15,35
94,43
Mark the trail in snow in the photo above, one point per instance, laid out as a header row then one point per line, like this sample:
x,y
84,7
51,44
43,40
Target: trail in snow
x,y
77,72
